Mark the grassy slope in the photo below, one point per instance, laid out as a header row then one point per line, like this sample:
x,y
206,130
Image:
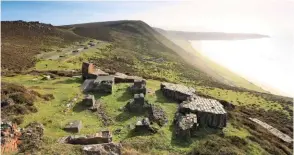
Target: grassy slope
x,y
22,41
130,42
208,66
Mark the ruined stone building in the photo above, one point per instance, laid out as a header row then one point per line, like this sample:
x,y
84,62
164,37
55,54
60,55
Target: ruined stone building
x,y
102,84
176,92
138,104
138,87
209,112
89,71
194,110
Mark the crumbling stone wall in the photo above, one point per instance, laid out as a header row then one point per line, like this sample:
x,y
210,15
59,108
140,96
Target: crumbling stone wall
x,y
138,87
123,78
138,104
97,138
176,92
101,84
88,71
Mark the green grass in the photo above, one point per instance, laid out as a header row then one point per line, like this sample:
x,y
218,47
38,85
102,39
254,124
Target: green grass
x,y
243,99
125,54
52,115
72,62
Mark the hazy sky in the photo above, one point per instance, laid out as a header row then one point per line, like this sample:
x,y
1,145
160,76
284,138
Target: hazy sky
x,y
263,16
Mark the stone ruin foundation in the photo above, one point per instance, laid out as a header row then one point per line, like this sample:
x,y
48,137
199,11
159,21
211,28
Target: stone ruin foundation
x,y
123,78
209,112
138,104
97,138
102,84
89,100
138,87
176,92
74,126
158,115
102,149
144,125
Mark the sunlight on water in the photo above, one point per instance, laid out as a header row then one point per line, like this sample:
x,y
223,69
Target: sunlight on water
x,y
262,61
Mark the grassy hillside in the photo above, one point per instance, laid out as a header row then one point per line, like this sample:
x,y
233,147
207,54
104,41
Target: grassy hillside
x,y
22,41
138,47
135,48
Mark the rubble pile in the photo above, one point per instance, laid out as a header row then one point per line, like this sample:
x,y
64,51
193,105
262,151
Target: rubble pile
x,y
185,125
157,114
145,125
176,92
89,101
138,104
138,87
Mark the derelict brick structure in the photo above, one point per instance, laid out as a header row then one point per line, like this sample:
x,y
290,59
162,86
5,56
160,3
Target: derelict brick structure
x,y
176,91
209,112
102,84
138,87
89,71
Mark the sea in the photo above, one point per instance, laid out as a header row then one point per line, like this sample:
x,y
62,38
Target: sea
x,y
266,62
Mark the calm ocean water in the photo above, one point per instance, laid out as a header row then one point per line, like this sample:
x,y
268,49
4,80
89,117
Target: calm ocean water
x,y
267,62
